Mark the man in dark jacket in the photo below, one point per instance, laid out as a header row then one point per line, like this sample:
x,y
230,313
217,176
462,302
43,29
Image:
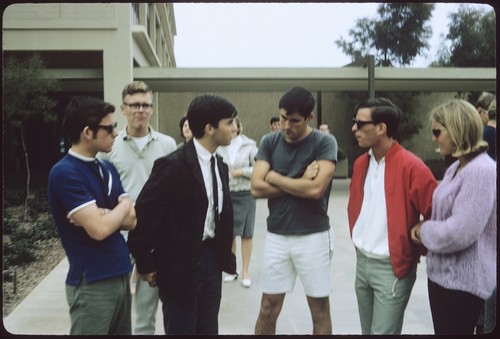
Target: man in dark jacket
x,y
183,238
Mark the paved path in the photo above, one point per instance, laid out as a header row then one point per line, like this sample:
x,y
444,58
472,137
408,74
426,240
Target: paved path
x,y
45,311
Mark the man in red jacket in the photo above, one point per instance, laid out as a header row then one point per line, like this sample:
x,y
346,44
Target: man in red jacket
x,y
390,189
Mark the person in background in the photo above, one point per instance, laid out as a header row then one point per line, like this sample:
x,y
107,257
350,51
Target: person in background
x,y
240,158
490,130
323,128
135,149
293,170
182,242
390,190
186,133
461,236
482,104
275,124
90,207
489,135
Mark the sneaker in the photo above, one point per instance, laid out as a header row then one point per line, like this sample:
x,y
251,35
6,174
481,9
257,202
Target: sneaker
x,y
230,277
246,282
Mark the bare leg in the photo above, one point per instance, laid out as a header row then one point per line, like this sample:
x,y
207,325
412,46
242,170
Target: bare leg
x,y
246,253
270,308
320,313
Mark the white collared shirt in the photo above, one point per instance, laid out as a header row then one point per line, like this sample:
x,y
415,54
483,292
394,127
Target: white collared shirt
x,y
204,157
370,234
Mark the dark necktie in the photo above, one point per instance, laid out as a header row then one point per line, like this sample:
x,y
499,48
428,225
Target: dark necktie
x,y
215,191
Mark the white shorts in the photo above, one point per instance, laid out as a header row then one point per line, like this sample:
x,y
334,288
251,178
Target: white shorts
x,y
309,256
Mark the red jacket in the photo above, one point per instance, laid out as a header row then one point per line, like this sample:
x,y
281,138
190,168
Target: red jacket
x,y
409,185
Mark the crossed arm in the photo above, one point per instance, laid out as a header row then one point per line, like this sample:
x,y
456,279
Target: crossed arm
x,y
99,224
267,183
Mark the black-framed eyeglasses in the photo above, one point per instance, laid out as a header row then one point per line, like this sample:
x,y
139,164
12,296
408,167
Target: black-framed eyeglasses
x,y
137,106
108,128
360,123
436,132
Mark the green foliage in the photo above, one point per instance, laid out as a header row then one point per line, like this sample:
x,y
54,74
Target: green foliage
x,y
397,36
26,91
19,250
471,40
38,202
24,234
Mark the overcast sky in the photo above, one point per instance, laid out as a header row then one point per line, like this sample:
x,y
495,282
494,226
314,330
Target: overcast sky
x,y
277,34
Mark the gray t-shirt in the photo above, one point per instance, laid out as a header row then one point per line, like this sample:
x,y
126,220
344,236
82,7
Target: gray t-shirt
x,y
290,215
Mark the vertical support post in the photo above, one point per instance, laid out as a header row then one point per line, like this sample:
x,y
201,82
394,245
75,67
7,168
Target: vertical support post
x,y
371,76
319,109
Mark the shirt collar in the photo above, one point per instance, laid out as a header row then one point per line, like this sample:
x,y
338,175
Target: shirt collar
x,y
203,154
81,157
152,133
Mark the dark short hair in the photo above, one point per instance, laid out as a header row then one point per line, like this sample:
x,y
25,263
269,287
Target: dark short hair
x,y
208,109
297,99
83,111
181,124
383,111
273,120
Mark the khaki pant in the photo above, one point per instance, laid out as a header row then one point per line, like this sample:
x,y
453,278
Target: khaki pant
x,y
102,307
382,297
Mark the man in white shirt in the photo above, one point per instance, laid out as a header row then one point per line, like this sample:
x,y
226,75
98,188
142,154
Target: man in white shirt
x,y
136,148
185,222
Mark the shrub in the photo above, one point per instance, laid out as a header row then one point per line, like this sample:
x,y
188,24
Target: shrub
x,y
18,252
44,229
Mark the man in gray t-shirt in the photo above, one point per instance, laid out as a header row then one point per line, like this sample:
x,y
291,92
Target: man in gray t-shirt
x,y
293,170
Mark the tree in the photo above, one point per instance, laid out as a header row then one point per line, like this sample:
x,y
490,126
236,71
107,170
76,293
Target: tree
x,y
395,38
471,40
25,98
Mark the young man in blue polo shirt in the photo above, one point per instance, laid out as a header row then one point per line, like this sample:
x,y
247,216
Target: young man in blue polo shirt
x,y
90,208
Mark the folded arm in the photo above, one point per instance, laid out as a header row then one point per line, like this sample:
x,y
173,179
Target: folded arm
x,y
304,187
267,183
100,224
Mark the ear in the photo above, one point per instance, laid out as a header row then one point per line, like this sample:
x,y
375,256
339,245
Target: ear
x,y
310,117
87,134
209,129
382,128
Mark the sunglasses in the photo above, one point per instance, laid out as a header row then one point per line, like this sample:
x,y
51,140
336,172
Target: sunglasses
x,y
360,123
108,128
436,132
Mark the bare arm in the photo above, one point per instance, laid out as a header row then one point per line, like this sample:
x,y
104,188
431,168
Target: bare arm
x,y
304,187
260,188
99,226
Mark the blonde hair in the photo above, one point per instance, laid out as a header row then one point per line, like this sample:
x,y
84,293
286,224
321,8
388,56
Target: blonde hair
x,y
464,125
135,87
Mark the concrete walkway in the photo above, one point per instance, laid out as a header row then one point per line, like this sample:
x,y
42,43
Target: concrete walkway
x,y
45,311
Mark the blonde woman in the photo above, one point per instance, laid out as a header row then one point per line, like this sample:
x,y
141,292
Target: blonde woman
x,y
461,235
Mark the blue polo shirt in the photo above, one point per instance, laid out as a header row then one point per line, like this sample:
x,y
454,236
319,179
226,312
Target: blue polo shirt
x,y
74,183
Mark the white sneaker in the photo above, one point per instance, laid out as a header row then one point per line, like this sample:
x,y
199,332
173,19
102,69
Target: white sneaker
x,y
230,277
246,282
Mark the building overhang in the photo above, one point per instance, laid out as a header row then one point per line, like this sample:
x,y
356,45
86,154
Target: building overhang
x,y
281,79
318,79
